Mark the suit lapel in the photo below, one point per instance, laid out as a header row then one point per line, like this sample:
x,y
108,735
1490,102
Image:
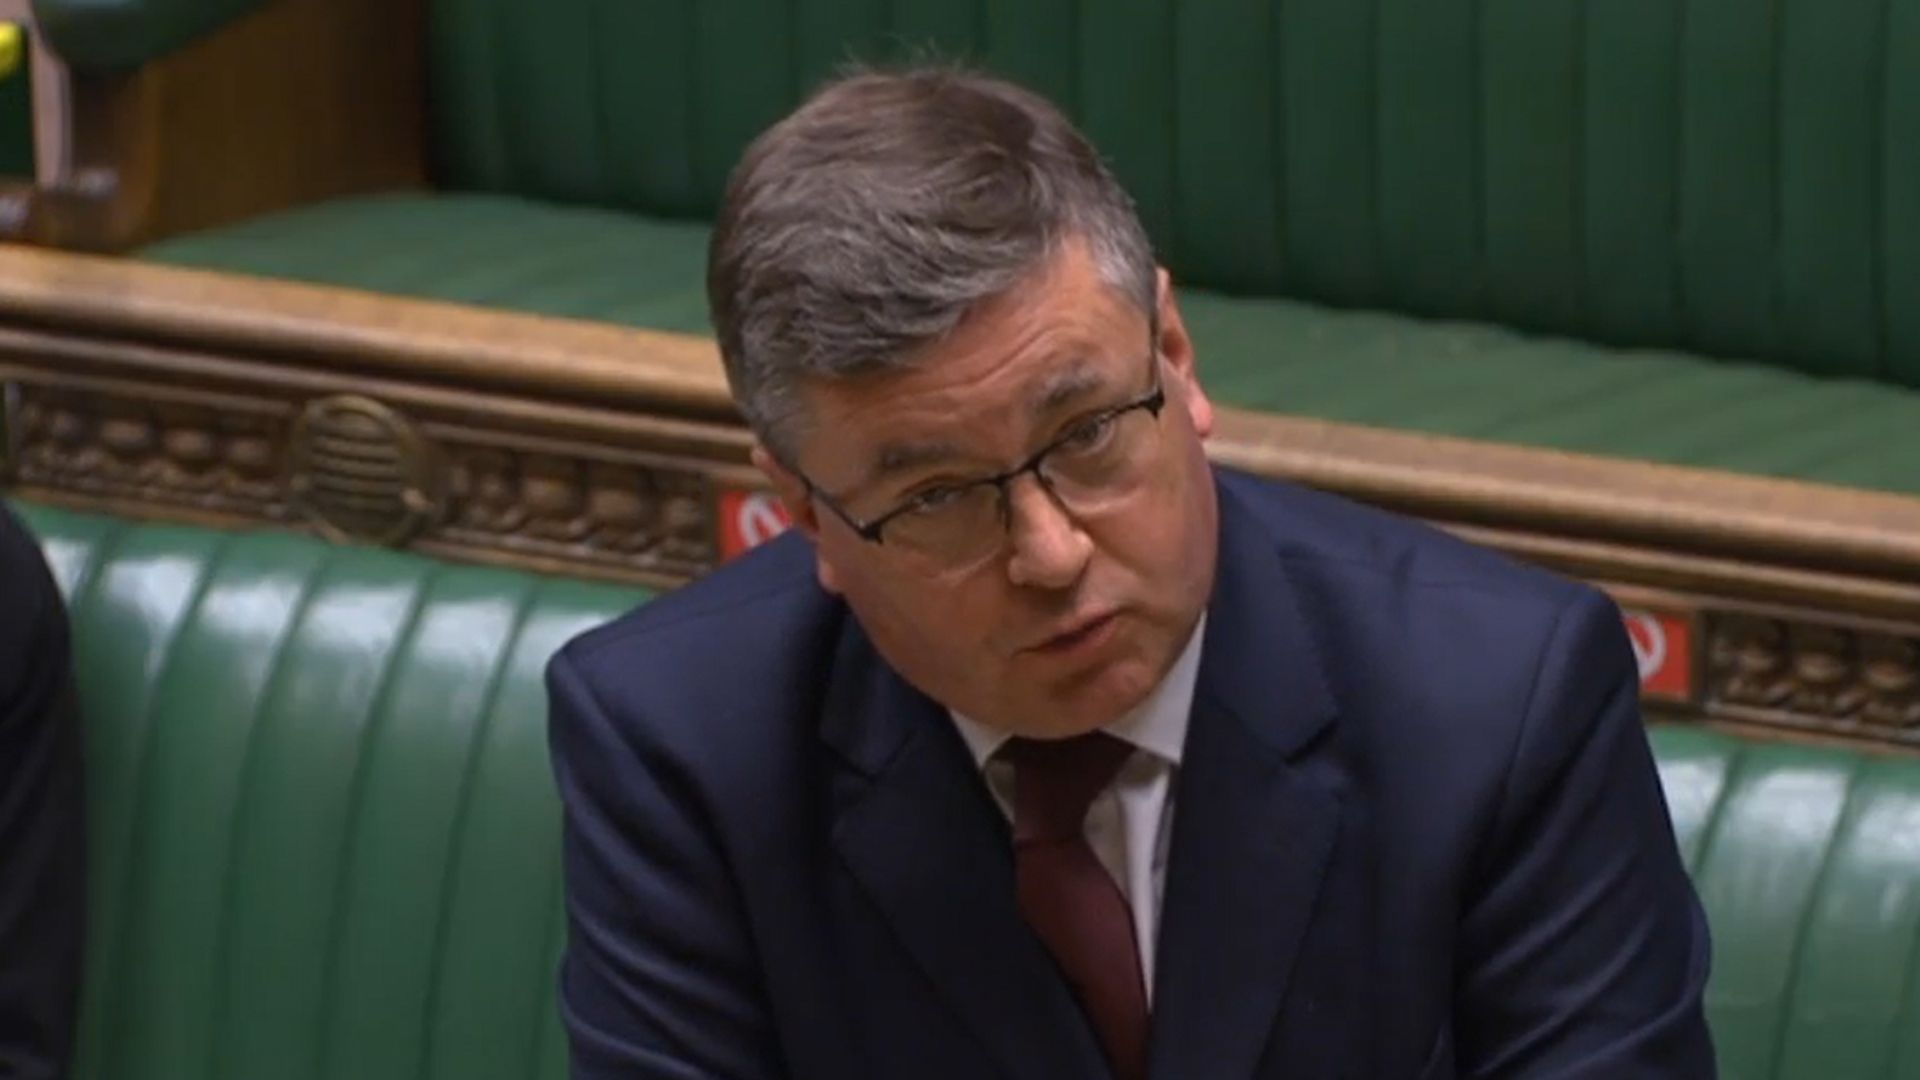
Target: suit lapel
x,y
917,829
1254,822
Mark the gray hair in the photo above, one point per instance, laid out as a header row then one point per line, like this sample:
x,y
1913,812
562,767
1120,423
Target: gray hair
x,y
870,220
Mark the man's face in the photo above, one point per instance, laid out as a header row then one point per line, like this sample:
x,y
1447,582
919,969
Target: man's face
x,y
1074,617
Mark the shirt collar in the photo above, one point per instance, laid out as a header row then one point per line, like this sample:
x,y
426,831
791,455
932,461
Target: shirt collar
x,y
1157,725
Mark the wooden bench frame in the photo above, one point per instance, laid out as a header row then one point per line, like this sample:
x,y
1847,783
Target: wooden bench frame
x,y
596,450
319,98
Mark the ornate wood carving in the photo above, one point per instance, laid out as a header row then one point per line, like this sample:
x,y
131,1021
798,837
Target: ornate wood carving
x,y
1813,676
581,509
1890,676
360,471
201,455
356,469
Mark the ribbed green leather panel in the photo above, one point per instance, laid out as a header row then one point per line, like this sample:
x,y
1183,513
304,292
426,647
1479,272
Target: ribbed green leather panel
x,y
1735,177
1282,356
325,839
1808,863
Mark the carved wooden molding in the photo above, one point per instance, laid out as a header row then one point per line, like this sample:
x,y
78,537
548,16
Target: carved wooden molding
x,y
359,469
1816,676
204,455
599,511
1774,669
590,449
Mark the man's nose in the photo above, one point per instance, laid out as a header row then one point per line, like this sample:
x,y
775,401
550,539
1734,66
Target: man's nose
x,y
1049,548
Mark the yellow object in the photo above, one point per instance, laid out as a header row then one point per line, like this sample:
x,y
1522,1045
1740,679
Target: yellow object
x,y
13,48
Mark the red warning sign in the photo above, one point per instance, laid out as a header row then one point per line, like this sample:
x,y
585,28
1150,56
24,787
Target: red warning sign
x,y
1663,646
749,519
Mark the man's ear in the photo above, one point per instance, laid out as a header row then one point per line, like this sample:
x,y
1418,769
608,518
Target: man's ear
x,y
791,490
1176,352
1176,348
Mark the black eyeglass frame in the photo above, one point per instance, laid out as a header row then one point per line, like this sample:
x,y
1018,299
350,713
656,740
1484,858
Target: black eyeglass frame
x,y
872,531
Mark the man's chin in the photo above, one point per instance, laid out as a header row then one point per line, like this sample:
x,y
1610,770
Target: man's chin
x,y
1085,705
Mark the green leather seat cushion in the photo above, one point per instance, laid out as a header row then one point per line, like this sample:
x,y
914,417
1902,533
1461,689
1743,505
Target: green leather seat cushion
x,y
1277,355
325,835
493,251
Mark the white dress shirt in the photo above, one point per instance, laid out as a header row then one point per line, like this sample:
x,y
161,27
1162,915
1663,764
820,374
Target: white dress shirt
x,y
1130,823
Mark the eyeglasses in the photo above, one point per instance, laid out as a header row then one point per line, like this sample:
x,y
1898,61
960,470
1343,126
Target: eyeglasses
x,y
1093,464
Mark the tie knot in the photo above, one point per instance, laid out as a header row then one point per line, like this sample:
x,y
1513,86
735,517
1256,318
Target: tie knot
x,y
1055,780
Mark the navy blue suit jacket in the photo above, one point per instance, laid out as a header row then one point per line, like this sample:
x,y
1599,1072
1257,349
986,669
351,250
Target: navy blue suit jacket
x,y
1418,834
42,834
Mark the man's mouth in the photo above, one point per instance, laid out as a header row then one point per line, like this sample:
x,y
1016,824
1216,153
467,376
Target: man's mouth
x,y
1079,634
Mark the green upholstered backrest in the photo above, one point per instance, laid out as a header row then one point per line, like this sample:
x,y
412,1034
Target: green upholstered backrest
x,y
1808,862
325,840
1733,177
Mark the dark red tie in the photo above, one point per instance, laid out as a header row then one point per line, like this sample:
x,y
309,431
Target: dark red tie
x,y
1068,898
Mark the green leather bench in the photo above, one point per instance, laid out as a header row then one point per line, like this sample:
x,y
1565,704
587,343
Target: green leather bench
x,y
325,841
325,837
1658,230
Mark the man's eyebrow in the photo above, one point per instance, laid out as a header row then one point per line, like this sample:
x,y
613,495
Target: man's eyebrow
x,y
1060,389
1065,387
894,458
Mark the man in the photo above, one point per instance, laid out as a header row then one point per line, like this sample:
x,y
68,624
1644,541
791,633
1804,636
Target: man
x,y
41,840
1041,748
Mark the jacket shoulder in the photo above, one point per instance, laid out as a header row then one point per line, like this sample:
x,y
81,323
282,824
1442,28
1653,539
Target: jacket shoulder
x,y
718,663
1430,644
1324,537
761,587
